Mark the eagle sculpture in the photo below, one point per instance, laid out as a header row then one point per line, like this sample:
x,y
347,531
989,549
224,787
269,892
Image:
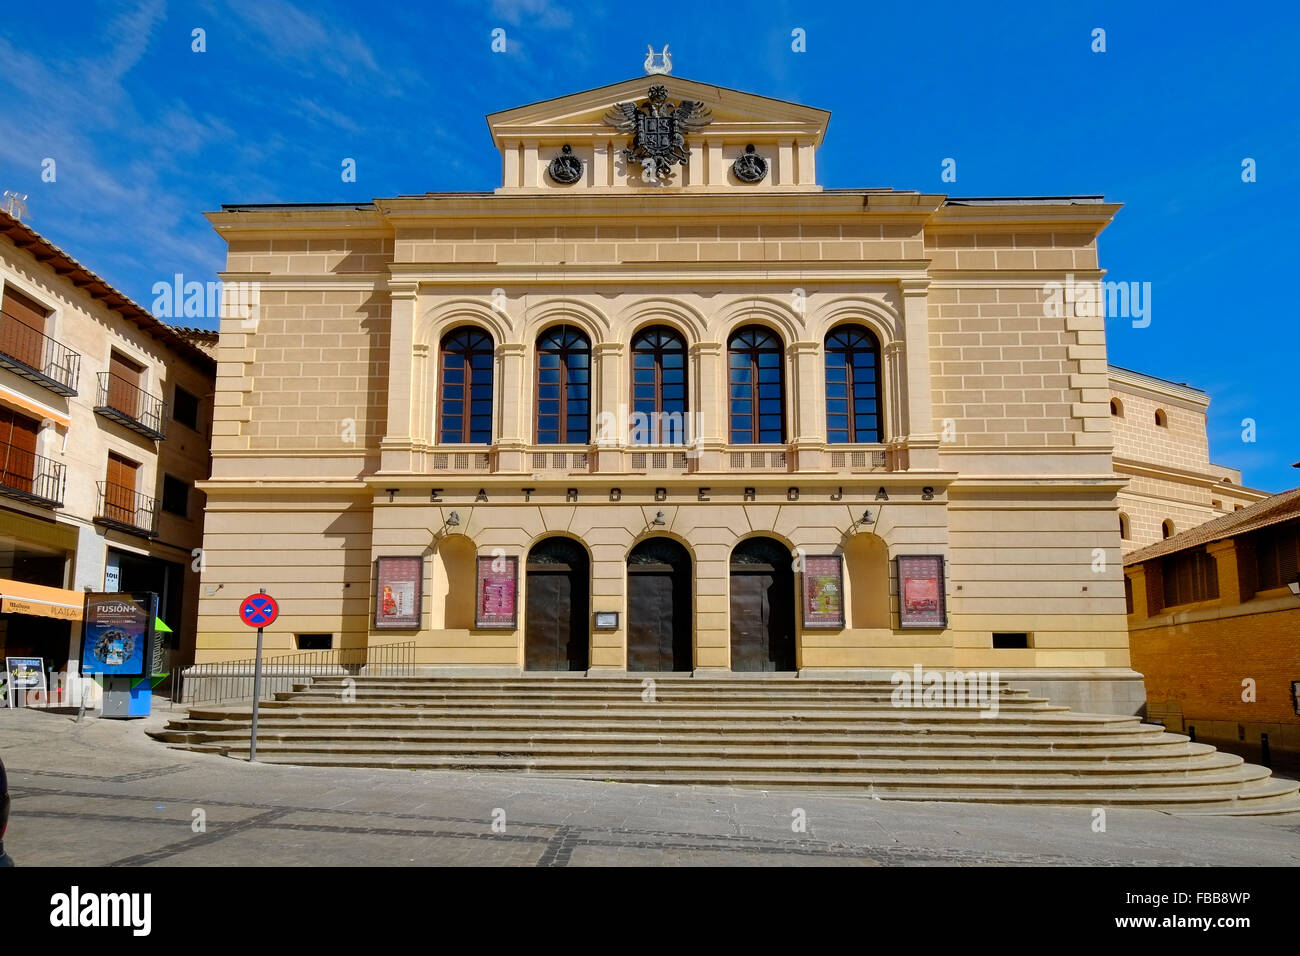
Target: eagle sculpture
x,y
658,131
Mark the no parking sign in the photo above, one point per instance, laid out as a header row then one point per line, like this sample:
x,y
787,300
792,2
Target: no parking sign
x,y
257,610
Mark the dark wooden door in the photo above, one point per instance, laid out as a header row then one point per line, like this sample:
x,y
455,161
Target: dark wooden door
x,y
762,610
658,618
22,329
557,619
17,449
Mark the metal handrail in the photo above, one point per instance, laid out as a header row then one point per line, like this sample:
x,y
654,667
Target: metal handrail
x,y
116,392
233,680
32,475
126,507
31,348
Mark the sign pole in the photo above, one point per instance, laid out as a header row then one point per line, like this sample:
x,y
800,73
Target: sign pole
x,y
257,694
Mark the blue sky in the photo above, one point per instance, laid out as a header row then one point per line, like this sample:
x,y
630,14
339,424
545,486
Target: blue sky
x,y
147,134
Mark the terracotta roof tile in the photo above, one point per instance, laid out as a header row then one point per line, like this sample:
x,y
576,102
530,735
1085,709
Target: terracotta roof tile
x,y
1273,510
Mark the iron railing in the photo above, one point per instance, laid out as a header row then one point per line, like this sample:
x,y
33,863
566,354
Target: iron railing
x,y
29,352
126,509
131,406
233,680
30,477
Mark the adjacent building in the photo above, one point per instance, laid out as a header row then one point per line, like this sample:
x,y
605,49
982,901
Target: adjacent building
x,y
1214,622
105,417
1162,447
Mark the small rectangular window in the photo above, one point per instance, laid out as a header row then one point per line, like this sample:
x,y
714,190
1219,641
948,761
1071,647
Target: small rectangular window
x,y
315,642
185,408
176,496
1007,639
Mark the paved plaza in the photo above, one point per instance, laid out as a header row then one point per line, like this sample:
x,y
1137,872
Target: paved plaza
x,y
101,793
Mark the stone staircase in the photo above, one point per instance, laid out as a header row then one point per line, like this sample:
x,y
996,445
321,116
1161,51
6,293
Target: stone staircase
x,y
827,735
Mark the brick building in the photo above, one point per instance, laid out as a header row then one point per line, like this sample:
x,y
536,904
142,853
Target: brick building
x,y
1214,625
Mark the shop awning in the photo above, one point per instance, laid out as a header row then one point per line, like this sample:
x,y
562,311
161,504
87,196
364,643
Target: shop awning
x,y
18,597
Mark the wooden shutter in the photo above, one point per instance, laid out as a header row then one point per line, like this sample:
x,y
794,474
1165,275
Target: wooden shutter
x,y
119,496
124,385
17,449
22,329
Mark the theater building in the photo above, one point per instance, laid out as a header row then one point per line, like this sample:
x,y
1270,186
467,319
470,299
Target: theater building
x,y
628,413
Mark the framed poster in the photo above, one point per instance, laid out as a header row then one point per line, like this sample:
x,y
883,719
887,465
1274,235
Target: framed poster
x,y
823,591
117,633
921,592
497,591
398,592
25,674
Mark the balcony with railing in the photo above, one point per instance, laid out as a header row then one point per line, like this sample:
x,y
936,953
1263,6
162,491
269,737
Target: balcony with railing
x,y
130,406
29,352
32,478
126,510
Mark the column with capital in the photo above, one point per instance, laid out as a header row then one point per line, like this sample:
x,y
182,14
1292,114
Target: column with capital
x,y
395,447
609,407
808,405
512,430
708,408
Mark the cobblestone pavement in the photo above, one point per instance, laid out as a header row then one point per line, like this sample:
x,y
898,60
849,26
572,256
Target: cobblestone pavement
x,y
101,793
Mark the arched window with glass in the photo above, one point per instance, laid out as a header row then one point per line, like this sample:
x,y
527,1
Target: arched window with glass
x,y
465,373
563,387
756,387
659,388
852,386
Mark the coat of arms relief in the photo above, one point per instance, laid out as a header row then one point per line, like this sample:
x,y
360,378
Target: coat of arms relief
x,y
659,131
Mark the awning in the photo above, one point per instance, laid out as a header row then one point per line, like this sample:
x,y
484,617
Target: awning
x,y
18,597
35,409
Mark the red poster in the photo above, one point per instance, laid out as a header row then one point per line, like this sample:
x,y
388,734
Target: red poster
x,y
398,592
497,587
920,591
823,591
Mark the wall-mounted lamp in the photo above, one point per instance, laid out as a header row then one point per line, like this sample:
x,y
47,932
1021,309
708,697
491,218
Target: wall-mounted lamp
x,y
659,519
453,519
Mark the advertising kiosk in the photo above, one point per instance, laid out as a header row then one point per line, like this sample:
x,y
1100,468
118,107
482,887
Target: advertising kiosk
x,y
118,642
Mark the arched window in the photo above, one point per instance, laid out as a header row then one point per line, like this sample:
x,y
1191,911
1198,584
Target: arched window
x,y
852,386
1167,529
465,403
659,388
1123,525
1116,408
756,387
1161,418
563,387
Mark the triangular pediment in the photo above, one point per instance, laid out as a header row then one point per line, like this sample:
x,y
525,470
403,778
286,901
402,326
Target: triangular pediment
x,y
734,111
783,135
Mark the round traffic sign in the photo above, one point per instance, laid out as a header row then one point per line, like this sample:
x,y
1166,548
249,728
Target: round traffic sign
x,y
258,610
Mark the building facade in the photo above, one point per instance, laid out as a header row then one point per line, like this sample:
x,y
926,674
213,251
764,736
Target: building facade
x,y
616,418
1213,618
1162,447
105,415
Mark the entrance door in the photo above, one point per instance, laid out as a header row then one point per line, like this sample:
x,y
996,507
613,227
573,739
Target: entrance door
x,y
557,613
762,607
659,606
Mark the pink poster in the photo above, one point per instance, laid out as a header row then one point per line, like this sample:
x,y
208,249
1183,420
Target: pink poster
x,y
498,587
920,591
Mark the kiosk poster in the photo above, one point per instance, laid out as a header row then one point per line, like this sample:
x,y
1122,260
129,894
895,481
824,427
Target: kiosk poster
x,y
117,633
497,588
823,591
25,674
920,591
398,583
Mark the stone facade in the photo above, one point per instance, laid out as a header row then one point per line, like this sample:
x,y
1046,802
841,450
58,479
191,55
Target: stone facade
x,y
994,443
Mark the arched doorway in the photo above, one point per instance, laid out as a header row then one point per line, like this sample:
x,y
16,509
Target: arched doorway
x,y
659,606
762,606
557,614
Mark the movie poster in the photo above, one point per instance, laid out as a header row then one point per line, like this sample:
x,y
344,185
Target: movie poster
x,y
920,591
399,592
823,591
497,588
117,633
